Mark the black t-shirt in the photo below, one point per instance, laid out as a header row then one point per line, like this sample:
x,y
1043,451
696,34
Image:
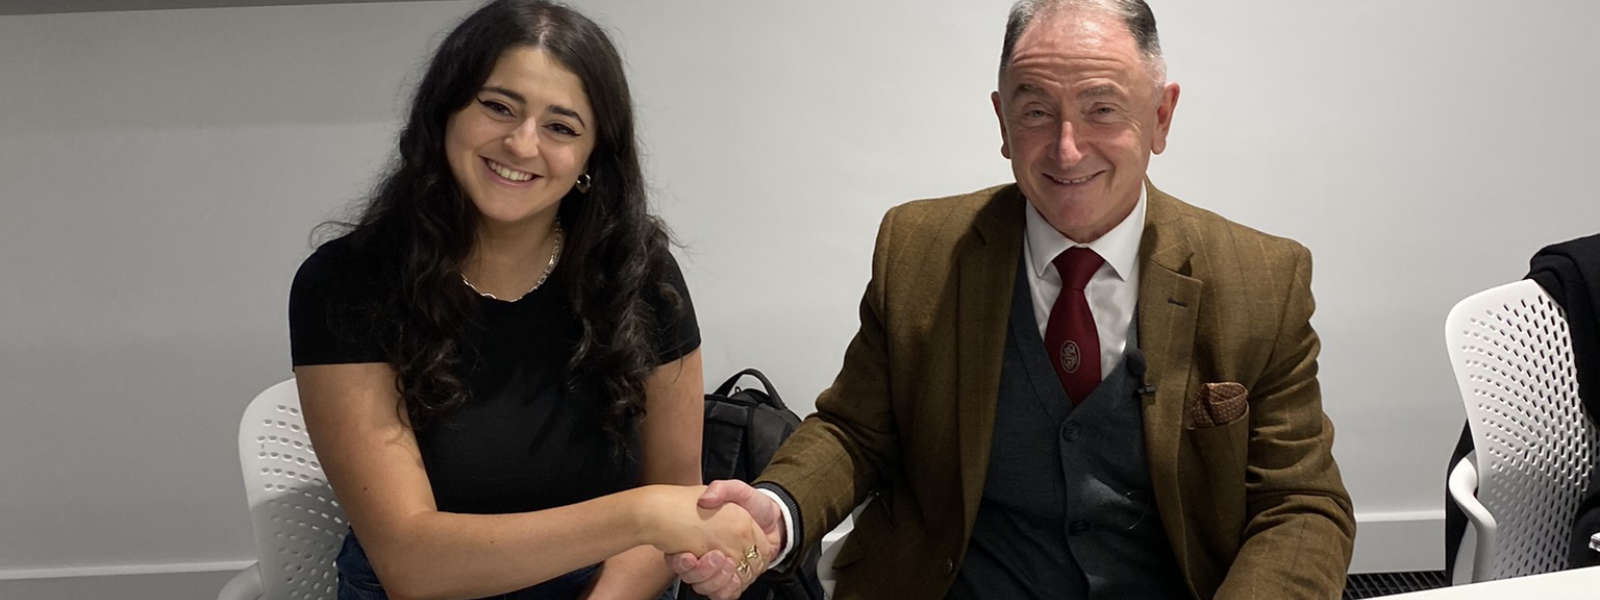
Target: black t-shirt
x,y
523,441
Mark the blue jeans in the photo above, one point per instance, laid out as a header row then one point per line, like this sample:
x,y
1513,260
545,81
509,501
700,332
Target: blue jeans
x,y
357,580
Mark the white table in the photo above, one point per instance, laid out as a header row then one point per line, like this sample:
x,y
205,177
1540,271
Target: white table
x,y
1562,585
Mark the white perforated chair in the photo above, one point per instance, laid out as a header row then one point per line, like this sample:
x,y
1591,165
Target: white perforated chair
x,y
1534,448
298,524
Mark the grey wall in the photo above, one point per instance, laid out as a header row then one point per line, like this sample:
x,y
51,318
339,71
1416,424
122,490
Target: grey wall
x,y
160,172
40,7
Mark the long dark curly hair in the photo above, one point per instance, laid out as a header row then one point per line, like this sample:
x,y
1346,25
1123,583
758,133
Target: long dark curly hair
x,y
420,218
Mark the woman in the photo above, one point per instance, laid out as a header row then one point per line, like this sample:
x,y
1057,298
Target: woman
x,y
502,348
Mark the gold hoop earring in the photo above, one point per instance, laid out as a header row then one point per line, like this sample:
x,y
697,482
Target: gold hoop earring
x,y
583,183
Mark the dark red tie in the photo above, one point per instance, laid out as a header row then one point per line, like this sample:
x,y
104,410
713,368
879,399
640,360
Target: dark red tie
x,y
1070,336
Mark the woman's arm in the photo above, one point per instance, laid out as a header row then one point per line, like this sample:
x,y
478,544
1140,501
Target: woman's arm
x,y
670,448
372,460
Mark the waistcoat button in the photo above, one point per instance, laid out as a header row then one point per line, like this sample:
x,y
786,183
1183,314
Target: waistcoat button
x,y
1069,432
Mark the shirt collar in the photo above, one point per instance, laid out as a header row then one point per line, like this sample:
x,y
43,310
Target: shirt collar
x,y
1119,247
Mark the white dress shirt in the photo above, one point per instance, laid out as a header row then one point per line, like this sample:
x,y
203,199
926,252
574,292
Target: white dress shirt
x,y
1112,292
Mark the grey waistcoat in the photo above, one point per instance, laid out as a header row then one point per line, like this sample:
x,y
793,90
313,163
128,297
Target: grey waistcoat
x,y
1067,510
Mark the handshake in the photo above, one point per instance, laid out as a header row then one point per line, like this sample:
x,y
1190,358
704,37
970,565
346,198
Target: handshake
x,y
718,538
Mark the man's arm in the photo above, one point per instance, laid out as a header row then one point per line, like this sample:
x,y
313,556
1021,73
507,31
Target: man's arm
x,y
840,454
1299,529
832,460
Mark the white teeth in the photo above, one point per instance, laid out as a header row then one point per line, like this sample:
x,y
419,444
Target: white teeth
x,y
502,171
1072,181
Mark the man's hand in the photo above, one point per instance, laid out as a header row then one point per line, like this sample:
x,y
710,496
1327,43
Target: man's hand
x,y
716,575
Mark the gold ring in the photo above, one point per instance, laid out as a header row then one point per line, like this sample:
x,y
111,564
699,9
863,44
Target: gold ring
x,y
743,568
751,554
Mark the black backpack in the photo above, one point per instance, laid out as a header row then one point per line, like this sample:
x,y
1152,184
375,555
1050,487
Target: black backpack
x,y
743,429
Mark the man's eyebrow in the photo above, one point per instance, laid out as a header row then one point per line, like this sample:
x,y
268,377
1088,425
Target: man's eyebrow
x,y
1100,91
1026,89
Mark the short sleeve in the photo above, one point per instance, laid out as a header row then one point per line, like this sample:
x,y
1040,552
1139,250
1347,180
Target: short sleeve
x,y
677,331
334,309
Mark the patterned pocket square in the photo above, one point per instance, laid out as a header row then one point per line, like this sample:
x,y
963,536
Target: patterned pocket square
x,y
1218,404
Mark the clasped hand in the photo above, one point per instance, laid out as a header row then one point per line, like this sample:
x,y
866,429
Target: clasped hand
x,y
717,538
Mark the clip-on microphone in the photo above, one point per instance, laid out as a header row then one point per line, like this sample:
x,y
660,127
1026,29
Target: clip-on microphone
x,y
1136,368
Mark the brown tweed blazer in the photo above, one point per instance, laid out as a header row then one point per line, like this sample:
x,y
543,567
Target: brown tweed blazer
x,y
1254,506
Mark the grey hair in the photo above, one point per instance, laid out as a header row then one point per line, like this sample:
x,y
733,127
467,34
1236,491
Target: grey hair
x,y
1135,14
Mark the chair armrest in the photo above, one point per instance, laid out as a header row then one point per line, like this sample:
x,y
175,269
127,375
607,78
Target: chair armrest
x,y
244,585
831,543
1463,490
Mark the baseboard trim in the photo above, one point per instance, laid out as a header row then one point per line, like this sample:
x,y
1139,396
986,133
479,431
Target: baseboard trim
x,y
1394,541
113,570
1385,542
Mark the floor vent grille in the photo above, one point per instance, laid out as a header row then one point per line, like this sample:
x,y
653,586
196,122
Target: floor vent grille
x,y
1373,585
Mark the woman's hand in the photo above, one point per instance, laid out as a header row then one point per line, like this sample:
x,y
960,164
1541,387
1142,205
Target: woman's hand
x,y
673,522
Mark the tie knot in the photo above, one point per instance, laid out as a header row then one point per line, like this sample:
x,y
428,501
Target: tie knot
x,y
1076,266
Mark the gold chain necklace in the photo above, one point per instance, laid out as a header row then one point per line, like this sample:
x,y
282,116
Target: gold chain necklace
x,y
549,267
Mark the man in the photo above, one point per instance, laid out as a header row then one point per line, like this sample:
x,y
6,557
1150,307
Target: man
x,y
1076,386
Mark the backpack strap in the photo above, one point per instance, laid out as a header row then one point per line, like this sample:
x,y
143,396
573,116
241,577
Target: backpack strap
x,y
726,388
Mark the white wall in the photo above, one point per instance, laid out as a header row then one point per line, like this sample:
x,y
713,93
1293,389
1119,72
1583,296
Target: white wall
x,y
160,172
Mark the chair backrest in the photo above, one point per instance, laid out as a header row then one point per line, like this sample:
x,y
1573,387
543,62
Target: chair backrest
x,y
298,524
1512,355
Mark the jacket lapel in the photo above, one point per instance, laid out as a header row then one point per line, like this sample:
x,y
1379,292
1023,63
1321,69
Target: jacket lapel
x,y
1169,300
986,271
